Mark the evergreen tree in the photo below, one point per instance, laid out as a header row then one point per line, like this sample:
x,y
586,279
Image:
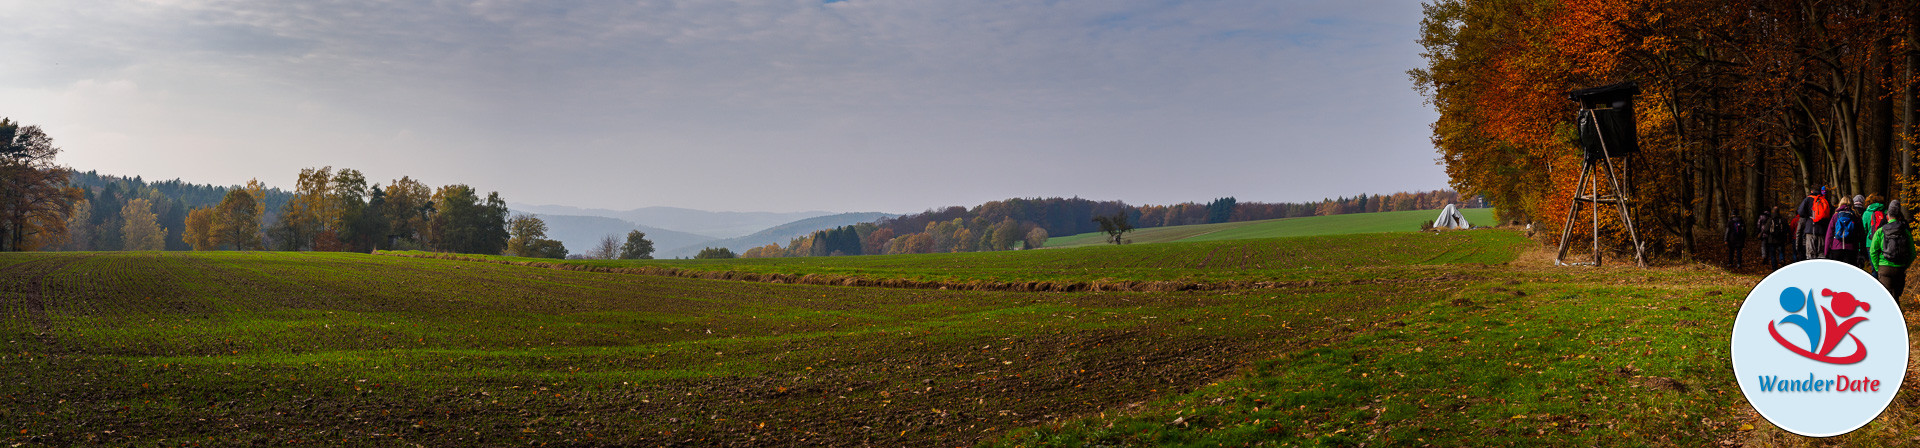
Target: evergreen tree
x,y
462,223
350,198
1220,210
175,219
106,218
372,224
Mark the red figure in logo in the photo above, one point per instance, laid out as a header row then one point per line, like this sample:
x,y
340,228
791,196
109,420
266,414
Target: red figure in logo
x,y
1844,305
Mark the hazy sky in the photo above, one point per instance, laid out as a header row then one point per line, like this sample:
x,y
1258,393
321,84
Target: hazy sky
x,y
854,105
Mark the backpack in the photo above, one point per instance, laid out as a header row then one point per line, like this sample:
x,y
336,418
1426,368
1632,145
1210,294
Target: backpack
x,y
1845,226
1896,245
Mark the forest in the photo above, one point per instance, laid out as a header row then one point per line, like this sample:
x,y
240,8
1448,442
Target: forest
x,y
46,206
1743,106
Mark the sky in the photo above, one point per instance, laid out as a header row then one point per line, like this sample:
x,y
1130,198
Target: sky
x,y
739,105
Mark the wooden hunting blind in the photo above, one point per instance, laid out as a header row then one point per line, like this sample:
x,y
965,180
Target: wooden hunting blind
x,y
1606,120
1607,132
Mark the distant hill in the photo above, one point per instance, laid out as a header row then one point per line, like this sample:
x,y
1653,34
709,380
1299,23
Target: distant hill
x,y
580,233
781,234
698,222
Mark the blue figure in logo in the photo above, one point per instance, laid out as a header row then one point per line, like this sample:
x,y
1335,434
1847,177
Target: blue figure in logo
x,y
1793,300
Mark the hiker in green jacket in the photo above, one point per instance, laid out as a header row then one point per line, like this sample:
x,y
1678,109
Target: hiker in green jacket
x,y
1890,250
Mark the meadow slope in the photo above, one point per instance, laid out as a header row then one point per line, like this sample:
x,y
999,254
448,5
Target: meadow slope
x,y
1379,222
1486,346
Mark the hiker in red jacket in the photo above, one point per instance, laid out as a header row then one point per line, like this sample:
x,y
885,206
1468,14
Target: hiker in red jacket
x,y
1813,212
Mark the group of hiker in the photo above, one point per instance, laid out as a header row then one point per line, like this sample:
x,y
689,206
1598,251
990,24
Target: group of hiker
x,y
1865,231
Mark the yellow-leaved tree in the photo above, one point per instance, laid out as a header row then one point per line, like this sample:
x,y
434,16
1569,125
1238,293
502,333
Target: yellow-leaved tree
x,y
199,231
236,220
140,228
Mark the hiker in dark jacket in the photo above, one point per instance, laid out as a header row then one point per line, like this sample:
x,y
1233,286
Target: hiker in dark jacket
x,y
1796,247
1736,238
1891,250
1858,239
1768,230
1812,229
1783,235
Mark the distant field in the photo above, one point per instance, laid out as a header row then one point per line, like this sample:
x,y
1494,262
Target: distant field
x,y
1357,256
1274,228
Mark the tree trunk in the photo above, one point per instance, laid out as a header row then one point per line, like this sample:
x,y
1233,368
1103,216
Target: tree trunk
x,y
1907,126
1750,172
1879,123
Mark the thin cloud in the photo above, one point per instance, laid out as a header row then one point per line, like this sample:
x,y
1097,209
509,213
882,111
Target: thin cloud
x,y
774,105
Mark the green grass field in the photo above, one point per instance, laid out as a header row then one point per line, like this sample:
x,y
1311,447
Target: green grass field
x,y
1275,228
219,348
1451,340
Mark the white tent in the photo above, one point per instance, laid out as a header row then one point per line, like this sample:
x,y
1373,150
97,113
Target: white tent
x,y
1450,218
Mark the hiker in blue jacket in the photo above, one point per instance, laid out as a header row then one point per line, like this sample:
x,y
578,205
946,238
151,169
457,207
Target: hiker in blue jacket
x,y
1844,234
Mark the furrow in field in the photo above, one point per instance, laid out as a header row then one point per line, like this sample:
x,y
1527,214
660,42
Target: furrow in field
x,y
28,293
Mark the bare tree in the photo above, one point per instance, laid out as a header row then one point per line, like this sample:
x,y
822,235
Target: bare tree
x,y
607,249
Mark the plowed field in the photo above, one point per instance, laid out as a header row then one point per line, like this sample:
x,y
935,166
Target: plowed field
x,y
279,349
1408,340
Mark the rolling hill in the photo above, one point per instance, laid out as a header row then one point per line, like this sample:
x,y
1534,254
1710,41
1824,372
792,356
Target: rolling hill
x,y
699,222
1316,225
580,233
780,234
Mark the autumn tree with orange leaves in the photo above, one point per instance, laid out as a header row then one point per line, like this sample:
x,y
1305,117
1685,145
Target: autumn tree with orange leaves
x,y
1743,105
35,200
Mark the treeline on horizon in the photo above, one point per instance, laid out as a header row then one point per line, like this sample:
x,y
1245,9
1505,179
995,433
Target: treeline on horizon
x,y
327,211
1028,223
1744,106
97,222
46,206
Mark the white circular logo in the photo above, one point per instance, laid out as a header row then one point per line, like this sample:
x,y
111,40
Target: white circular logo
x,y
1819,348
